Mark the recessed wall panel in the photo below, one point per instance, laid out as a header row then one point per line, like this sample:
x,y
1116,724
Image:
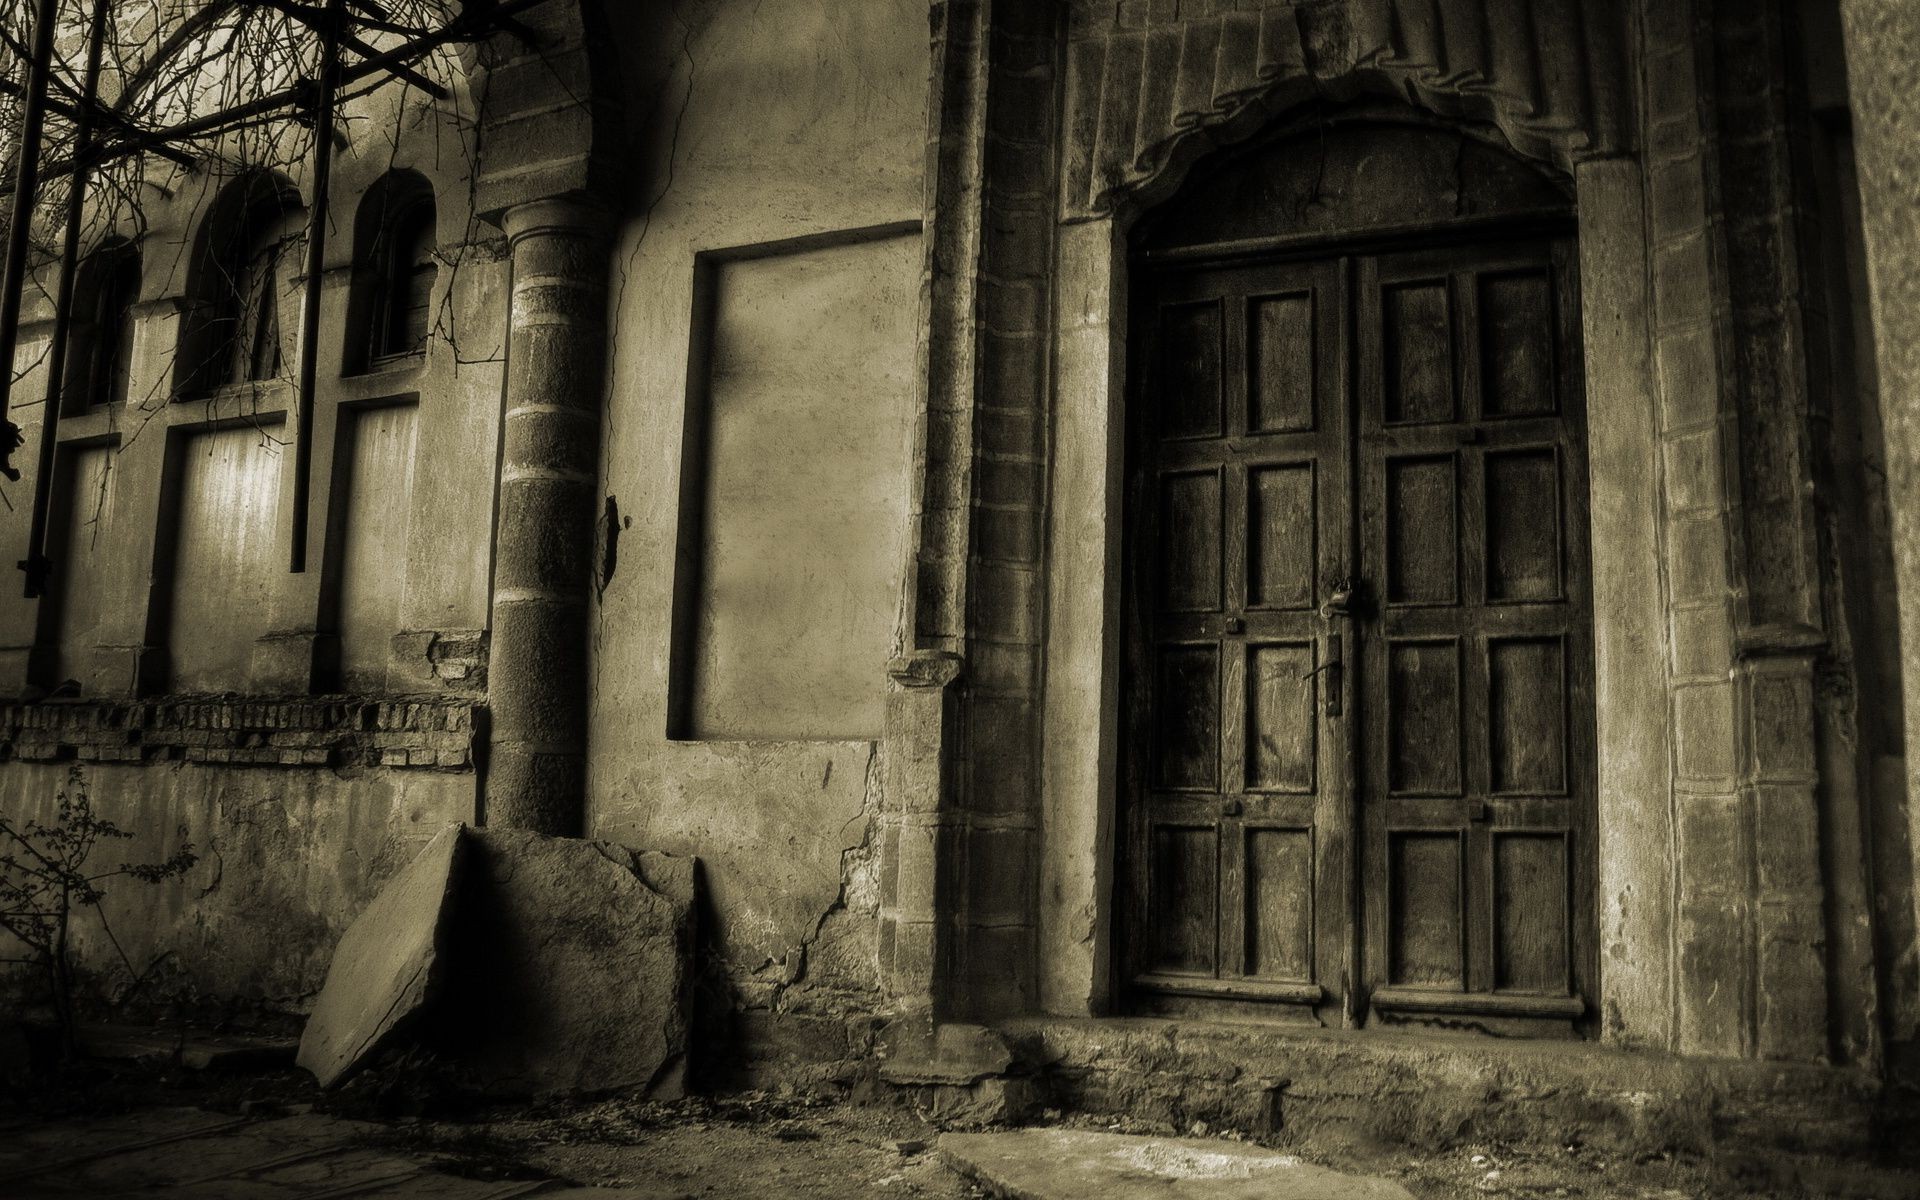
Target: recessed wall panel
x,y
1423,718
1530,899
1423,557
796,574
86,598
1523,525
1186,753
1516,344
226,558
373,537
1527,715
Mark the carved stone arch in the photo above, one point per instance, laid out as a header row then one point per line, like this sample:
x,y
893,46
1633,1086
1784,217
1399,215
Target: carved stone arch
x,y
548,103
1336,170
1147,97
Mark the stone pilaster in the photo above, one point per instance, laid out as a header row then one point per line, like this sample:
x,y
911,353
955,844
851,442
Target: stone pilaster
x,y
543,545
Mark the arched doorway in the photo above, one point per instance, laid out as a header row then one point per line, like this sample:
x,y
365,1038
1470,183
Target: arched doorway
x,y
1357,769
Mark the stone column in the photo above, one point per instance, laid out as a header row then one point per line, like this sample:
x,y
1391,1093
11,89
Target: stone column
x,y
1883,81
543,536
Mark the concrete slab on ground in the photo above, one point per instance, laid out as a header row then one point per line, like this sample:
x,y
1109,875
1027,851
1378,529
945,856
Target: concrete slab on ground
x,y
1066,1164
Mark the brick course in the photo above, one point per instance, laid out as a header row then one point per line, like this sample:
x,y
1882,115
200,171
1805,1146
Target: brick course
x,y
434,734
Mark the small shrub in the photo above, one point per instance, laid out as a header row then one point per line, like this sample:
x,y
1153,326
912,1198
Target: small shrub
x,y
46,878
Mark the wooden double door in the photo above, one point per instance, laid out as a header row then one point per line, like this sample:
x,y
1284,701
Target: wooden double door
x,y
1358,769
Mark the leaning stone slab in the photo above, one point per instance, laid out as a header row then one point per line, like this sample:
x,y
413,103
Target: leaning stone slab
x,y
388,965
1045,1164
572,967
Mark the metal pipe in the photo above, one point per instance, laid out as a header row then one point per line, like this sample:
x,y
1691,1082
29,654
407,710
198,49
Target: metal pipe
x,y
329,83
38,563
13,277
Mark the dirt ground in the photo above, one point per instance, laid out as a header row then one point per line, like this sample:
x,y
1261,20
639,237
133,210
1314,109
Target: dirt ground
x,y
761,1145
753,1144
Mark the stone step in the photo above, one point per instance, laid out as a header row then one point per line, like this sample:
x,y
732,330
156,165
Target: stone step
x,y
1428,1091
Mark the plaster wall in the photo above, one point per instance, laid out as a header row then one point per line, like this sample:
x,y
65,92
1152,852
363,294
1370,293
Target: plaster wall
x,y
199,492
175,515
377,461
762,121
1883,78
222,559
287,859
90,480
802,506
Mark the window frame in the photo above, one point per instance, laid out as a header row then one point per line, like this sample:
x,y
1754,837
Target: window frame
x,y
405,249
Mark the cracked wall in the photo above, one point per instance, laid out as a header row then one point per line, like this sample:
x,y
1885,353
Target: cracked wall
x,y
174,504
768,131
287,859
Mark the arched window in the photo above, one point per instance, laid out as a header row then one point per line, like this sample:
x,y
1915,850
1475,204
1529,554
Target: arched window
x,y
407,289
394,242
260,283
240,325
100,349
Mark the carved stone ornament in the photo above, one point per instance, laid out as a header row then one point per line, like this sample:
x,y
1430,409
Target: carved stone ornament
x,y
1153,84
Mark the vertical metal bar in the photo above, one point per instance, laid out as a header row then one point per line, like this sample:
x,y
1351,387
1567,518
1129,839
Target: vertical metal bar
x,y
38,563
316,251
13,278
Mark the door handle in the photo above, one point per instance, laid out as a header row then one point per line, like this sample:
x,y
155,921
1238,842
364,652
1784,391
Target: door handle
x,y
1333,677
1340,603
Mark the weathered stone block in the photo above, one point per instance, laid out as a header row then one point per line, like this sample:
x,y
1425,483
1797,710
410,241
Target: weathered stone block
x,y
1680,280
1783,724
1694,479
1679,194
998,877
1697,558
573,965
1689,373
1702,642
1703,731
387,967
1791,1019
1788,851
1713,846
998,973
1672,89
1713,978
916,866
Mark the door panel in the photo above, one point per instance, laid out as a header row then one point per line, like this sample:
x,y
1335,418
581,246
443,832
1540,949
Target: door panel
x,y
1476,793
1241,477
1377,809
